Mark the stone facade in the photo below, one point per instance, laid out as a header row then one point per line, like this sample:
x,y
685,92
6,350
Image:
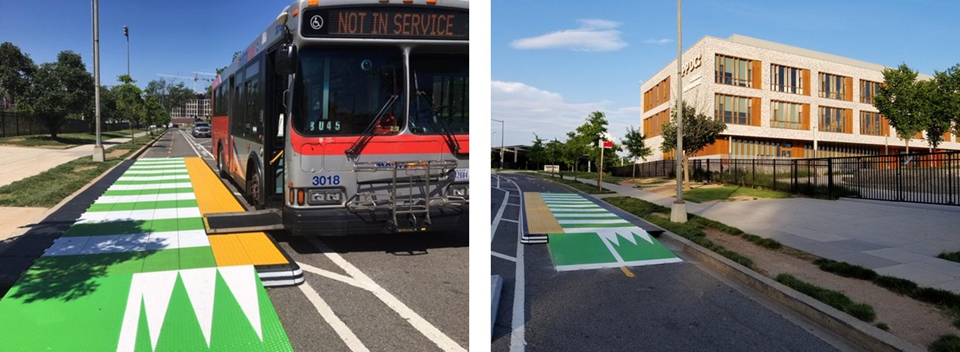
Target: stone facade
x,y
699,90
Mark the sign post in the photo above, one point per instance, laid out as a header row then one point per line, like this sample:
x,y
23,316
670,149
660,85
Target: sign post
x,y
603,145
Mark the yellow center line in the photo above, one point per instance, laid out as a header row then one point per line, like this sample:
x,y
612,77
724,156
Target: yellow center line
x,y
626,271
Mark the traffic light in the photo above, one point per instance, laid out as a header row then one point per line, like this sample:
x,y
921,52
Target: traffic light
x,y
126,31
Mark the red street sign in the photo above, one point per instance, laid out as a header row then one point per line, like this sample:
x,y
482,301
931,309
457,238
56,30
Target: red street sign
x,y
607,144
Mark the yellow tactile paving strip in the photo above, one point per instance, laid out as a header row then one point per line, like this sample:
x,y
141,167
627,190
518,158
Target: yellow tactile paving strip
x,y
539,218
229,249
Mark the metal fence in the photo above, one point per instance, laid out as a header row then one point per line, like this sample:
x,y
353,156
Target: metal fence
x,y
15,123
918,178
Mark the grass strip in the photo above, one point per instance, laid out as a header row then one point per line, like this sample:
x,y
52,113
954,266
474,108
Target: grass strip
x,y
951,256
689,230
580,186
63,140
946,343
846,269
607,177
700,195
835,299
50,187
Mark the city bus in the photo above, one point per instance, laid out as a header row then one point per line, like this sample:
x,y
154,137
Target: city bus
x,y
351,117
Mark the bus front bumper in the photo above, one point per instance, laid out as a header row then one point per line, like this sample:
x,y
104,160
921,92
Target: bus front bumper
x,y
342,222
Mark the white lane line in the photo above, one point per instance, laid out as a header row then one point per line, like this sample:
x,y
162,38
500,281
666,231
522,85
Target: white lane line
x,y
428,330
594,221
517,329
145,198
348,337
510,220
496,219
150,186
332,275
184,134
503,256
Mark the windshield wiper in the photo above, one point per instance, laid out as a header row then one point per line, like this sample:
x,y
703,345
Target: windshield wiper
x,y
370,131
445,129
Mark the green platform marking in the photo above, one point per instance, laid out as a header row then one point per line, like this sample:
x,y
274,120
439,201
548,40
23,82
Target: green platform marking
x,y
594,242
79,302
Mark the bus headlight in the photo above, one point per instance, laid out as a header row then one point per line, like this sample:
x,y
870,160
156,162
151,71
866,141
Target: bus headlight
x,y
459,190
325,196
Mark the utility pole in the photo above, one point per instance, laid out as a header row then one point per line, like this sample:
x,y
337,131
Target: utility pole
x,y
679,211
126,33
98,147
501,142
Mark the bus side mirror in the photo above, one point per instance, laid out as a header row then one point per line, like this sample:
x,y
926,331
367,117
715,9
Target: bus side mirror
x,y
286,61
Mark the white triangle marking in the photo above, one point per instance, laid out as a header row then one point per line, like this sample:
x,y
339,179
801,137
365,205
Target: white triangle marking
x,y
200,285
154,290
241,282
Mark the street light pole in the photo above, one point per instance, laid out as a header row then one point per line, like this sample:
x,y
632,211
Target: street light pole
x,y
126,33
679,211
501,142
98,147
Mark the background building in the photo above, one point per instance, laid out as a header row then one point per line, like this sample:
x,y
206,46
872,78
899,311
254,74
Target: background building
x,y
778,101
199,107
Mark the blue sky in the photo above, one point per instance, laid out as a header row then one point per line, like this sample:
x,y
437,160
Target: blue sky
x,y
174,37
555,61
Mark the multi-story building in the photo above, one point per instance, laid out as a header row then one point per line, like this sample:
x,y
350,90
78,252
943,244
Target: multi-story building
x,y
777,101
199,107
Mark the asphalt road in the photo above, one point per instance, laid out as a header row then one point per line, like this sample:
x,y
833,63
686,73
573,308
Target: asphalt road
x,y
668,307
382,293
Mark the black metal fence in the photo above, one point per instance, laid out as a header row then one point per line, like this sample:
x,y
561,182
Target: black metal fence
x,y
918,178
15,123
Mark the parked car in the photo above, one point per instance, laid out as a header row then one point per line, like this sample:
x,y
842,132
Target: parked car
x,y
201,129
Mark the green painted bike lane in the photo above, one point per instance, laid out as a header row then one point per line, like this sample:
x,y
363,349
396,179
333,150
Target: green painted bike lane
x,y
136,273
596,238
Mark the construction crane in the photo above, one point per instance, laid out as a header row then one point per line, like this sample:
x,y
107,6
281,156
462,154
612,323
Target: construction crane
x,y
196,77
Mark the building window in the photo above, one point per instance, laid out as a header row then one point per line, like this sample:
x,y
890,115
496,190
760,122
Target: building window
x,y
833,120
867,90
833,86
786,115
656,95
872,124
653,125
734,71
786,79
734,109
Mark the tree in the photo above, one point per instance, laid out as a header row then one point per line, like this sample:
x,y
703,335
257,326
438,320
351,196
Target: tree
x,y
699,131
60,88
636,148
129,99
573,150
537,153
898,99
554,151
948,91
16,68
154,113
935,105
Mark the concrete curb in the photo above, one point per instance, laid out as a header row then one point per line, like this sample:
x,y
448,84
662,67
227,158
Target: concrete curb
x,y
858,332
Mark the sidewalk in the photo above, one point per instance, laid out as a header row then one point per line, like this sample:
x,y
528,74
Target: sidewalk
x,y
890,238
22,162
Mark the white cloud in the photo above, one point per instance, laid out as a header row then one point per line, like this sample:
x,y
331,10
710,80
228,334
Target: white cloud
x,y
527,110
593,35
662,41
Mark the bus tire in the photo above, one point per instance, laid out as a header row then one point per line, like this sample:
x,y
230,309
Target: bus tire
x,y
220,169
254,187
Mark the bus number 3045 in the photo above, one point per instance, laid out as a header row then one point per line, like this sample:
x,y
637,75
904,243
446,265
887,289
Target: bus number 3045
x,y
326,180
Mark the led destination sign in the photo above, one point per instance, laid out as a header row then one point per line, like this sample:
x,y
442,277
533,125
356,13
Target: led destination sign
x,y
395,23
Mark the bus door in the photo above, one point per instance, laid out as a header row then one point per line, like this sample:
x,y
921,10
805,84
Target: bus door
x,y
274,139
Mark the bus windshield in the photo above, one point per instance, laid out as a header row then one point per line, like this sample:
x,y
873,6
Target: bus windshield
x,y
341,91
442,100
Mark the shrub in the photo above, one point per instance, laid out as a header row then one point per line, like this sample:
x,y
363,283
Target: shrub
x,y
846,269
937,296
951,256
763,242
946,343
882,326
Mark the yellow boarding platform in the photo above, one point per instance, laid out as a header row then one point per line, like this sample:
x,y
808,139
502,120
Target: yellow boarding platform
x,y
540,221
250,248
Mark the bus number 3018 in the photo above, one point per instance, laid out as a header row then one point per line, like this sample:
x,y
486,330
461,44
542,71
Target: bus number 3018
x,y
326,180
